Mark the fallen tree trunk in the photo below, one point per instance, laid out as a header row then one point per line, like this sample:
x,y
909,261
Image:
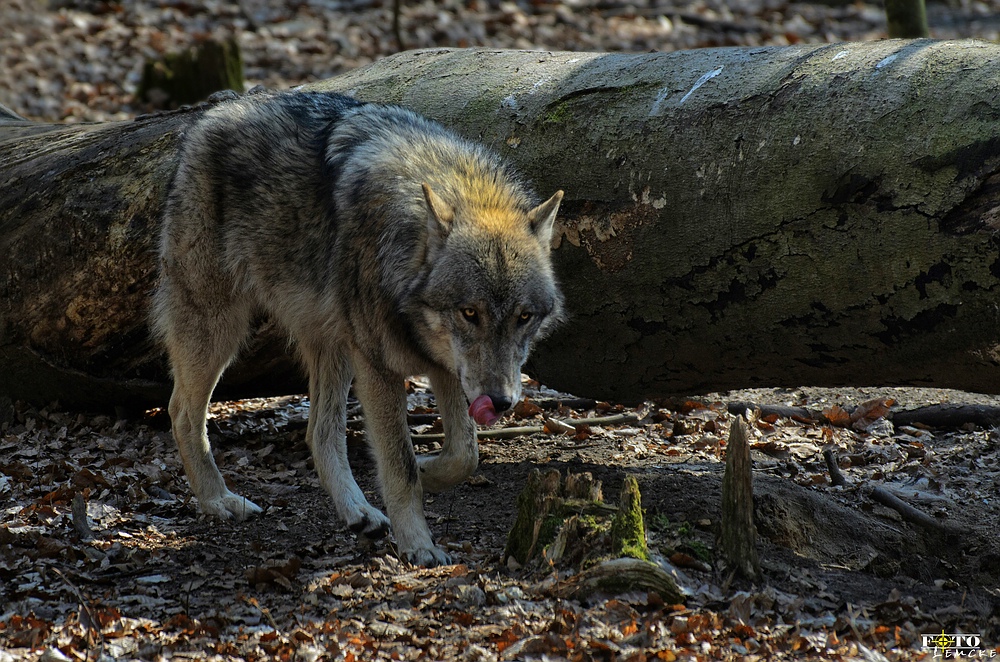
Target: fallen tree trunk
x,y
817,215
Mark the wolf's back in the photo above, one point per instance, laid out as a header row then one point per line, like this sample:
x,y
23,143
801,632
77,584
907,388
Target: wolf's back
x,y
293,190
254,182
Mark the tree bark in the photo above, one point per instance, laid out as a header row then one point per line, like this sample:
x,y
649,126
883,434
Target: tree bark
x,y
815,215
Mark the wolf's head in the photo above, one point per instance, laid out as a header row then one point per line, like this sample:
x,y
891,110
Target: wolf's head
x,y
489,291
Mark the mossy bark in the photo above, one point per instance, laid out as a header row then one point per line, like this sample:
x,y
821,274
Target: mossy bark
x,y
820,215
545,506
616,576
817,215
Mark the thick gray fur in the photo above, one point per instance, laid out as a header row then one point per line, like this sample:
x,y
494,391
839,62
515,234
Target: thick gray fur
x,y
386,246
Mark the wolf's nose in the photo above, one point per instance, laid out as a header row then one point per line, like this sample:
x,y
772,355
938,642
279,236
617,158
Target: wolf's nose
x,y
500,402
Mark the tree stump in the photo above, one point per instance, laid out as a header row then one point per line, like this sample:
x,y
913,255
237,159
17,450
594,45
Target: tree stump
x,y
564,524
628,531
738,535
192,75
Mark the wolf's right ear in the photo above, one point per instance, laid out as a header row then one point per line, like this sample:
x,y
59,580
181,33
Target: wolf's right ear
x,y
439,219
543,217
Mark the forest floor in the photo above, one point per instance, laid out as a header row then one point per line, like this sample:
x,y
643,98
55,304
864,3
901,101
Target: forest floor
x,y
142,575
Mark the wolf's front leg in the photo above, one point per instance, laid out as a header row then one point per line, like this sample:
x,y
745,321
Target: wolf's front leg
x,y
329,383
460,455
384,402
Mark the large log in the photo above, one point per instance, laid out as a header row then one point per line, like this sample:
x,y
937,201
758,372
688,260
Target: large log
x,y
818,215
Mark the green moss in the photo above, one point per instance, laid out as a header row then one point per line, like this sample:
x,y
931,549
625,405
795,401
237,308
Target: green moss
x,y
593,524
628,533
660,522
547,532
557,114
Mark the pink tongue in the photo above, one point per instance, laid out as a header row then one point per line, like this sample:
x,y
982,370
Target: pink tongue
x,y
482,411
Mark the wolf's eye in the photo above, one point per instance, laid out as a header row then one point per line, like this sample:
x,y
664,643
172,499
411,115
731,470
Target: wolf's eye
x,y
471,314
523,317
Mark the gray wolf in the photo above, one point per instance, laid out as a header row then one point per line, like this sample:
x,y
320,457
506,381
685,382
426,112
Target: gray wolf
x,y
386,246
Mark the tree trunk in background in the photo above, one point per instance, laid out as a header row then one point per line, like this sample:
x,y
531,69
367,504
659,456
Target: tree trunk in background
x,y
816,215
906,19
192,75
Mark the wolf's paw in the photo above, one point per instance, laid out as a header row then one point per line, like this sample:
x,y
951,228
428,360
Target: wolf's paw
x,y
440,472
230,506
371,523
428,557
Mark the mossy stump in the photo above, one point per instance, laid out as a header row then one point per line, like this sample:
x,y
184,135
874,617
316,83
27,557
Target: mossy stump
x,y
565,524
192,75
628,532
544,505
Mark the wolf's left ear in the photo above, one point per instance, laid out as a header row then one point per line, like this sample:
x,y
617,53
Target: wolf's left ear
x,y
439,218
543,217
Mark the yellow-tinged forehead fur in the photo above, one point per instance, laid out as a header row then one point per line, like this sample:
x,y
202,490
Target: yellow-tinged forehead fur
x,y
470,179
494,206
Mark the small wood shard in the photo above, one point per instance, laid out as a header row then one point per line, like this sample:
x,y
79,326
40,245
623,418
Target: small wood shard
x,y
80,522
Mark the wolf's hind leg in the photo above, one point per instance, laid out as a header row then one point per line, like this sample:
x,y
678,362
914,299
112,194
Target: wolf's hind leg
x,y
201,343
460,455
329,383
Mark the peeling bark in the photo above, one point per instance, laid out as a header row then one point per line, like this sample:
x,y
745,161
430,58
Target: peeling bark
x,y
815,215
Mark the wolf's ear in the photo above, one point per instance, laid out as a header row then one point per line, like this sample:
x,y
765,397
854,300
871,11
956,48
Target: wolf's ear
x,y
543,216
439,218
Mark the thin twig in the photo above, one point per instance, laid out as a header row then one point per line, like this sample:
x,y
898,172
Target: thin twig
x,y
509,433
396,29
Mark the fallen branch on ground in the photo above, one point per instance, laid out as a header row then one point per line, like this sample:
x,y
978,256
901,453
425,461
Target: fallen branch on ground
x,y
883,496
509,433
937,416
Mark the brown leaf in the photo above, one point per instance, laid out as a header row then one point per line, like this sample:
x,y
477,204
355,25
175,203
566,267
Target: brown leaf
x,y
555,426
692,405
50,547
526,409
28,632
87,479
868,412
277,575
836,415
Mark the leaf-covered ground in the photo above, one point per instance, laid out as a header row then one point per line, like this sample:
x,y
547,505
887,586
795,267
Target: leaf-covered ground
x,y
144,576
81,60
